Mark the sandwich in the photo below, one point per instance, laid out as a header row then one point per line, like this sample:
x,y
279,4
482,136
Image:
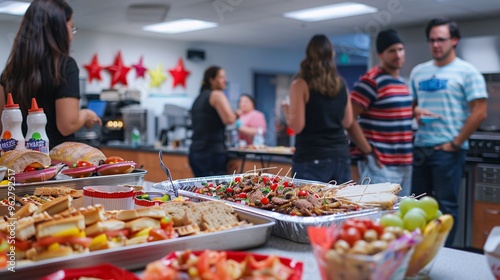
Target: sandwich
x,y
107,234
381,195
71,153
59,237
24,160
56,205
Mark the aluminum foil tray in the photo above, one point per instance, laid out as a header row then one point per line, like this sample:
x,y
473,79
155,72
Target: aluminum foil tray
x,y
136,257
290,227
136,177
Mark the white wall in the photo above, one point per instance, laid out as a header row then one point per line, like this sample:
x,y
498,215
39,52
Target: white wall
x,y
417,49
239,63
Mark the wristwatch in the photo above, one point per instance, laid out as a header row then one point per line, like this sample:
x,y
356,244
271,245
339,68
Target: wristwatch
x,y
455,146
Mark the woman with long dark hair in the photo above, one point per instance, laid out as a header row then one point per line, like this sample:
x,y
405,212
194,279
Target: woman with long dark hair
x,y
318,112
39,66
210,114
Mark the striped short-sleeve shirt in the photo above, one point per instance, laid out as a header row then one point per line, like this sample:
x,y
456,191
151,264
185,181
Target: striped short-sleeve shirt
x,y
387,117
445,91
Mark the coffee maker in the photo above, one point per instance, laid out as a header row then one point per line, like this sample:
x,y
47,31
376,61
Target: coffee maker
x,y
175,126
143,120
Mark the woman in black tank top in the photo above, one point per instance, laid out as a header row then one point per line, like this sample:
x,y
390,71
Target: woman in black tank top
x,y
318,112
210,114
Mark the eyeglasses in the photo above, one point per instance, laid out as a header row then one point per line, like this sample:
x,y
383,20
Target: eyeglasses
x,y
74,29
437,40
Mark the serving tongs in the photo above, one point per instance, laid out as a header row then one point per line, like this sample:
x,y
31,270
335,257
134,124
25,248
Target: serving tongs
x,y
169,175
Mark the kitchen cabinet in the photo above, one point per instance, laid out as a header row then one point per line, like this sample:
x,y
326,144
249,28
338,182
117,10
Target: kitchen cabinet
x,y
486,216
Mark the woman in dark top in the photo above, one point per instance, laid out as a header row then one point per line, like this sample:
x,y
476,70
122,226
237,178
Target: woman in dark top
x,y
318,112
210,114
39,66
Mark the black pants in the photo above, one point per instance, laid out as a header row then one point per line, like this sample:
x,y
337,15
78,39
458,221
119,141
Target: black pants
x,y
205,164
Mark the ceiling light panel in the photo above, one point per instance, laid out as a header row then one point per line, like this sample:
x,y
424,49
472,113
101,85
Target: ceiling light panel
x,y
179,26
13,7
346,9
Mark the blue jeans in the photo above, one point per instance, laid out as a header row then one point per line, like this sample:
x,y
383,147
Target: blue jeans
x,y
400,174
324,170
205,164
439,174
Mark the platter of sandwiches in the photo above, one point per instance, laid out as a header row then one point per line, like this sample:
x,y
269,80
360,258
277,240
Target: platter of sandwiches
x,y
293,203
56,234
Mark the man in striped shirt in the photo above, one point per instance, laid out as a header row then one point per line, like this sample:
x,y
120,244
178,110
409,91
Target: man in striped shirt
x,y
382,106
450,104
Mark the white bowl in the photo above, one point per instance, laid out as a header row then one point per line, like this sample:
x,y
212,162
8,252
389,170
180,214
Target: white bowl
x,y
492,251
3,172
111,197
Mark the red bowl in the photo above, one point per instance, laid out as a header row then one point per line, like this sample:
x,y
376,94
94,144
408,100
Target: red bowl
x,y
79,172
296,266
102,271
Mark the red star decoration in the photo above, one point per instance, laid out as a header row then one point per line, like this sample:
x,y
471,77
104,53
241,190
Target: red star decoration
x,y
118,71
179,74
94,69
140,70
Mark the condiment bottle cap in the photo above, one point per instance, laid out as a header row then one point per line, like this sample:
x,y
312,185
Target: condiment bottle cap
x,y
34,107
10,103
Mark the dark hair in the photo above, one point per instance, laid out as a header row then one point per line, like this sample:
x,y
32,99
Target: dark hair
x,y
249,97
318,69
452,26
39,52
210,73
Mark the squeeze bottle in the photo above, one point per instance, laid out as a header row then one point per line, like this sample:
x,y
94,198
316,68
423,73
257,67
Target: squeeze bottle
x,y
12,120
36,138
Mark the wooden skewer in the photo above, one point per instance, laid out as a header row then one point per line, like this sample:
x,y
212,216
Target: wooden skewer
x,y
293,178
277,174
287,172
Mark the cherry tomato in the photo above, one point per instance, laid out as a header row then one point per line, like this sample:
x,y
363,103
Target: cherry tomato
x,y
29,169
242,195
350,235
114,159
286,184
264,200
237,179
276,179
274,186
357,224
82,163
302,193
265,180
229,190
378,228
210,185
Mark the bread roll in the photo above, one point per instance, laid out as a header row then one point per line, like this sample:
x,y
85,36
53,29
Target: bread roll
x,y
72,152
18,160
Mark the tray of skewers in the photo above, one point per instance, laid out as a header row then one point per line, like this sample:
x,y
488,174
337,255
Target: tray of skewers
x,y
293,203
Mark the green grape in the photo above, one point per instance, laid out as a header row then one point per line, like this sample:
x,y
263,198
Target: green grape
x,y
414,220
388,220
430,207
418,211
406,204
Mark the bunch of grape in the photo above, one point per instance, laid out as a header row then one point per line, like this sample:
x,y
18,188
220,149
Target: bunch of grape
x,y
413,213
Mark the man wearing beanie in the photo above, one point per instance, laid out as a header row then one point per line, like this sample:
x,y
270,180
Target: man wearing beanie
x,y
382,106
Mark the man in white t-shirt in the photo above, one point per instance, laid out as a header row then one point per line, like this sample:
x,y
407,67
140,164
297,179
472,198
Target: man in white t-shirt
x,y
449,104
